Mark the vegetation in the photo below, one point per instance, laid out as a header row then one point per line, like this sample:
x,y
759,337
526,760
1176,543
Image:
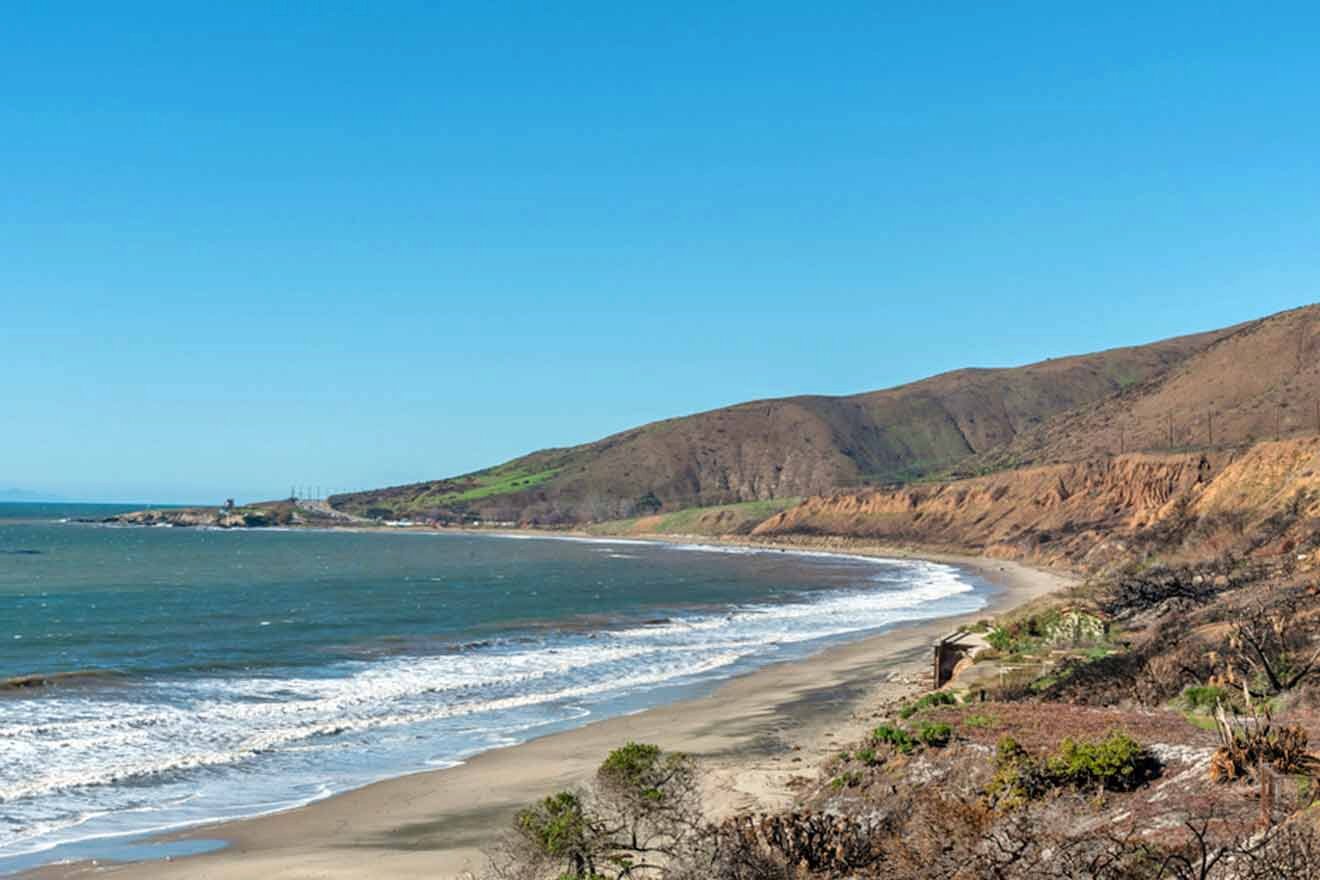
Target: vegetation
x,y
485,484
641,814
935,734
1248,746
1204,698
1270,653
977,720
934,698
896,737
1115,763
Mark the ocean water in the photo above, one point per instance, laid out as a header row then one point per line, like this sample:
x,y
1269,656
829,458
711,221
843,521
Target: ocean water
x,y
218,674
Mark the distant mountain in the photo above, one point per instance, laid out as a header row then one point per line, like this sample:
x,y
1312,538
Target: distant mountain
x,y
789,447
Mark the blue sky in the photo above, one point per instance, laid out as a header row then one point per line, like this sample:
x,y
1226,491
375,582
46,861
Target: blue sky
x,y
354,245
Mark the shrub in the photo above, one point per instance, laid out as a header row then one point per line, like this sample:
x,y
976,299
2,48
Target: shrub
x,y
935,735
1204,697
868,757
900,739
934,698
642,774
557,825
1002,640
1115,763
978,720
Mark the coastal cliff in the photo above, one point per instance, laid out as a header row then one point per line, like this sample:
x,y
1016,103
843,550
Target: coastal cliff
x,y
1088,514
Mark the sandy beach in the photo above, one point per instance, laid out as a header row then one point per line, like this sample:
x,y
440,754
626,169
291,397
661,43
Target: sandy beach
x,y
753,734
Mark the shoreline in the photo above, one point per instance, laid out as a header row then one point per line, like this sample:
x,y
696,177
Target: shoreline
x,y
752,733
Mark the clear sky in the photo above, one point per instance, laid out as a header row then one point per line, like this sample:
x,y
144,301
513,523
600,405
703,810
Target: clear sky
x,y
353,244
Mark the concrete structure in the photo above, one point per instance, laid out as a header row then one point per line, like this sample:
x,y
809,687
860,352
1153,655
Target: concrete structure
x,y
951,650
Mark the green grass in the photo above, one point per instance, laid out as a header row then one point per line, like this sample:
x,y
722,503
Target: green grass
x,y
1204,722
483,484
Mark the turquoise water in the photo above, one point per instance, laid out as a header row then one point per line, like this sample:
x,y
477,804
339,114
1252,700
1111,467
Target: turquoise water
x,y
215,674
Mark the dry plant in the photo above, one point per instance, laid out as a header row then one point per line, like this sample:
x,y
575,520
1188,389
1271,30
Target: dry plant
x,y
1268,653
1252,742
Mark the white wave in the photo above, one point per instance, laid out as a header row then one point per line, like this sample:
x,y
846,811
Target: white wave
x,y
753,550
97,750
577,539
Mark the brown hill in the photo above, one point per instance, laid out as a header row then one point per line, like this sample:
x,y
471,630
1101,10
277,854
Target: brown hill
x,y
1259,381
782,448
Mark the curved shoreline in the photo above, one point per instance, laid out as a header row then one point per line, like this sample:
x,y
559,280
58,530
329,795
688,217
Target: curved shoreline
x,y
752,731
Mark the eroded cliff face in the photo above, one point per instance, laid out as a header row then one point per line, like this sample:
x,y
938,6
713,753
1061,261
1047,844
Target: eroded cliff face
x,y
1265,499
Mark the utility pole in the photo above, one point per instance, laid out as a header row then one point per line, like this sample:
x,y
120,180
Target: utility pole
x,y
1210,422
1170,431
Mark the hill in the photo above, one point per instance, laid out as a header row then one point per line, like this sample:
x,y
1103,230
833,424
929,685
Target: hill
x,y
1259,381
781,448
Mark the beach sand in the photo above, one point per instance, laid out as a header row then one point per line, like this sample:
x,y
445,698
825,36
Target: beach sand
x,y
752,735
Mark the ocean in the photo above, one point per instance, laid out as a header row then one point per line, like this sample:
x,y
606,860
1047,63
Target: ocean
x,y
207,674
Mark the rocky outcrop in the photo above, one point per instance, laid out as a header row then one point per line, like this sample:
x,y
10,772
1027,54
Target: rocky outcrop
x,y
276,513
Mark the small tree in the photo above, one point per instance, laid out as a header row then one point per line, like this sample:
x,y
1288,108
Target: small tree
x,y
558,830
640,814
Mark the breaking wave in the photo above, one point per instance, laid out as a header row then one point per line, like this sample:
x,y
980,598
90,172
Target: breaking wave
x,y
177,751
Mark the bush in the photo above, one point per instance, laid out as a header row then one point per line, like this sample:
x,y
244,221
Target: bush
x,y
638,768
1002,640
557,825
935,735
934,698
900,739
1202,697
1115,763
